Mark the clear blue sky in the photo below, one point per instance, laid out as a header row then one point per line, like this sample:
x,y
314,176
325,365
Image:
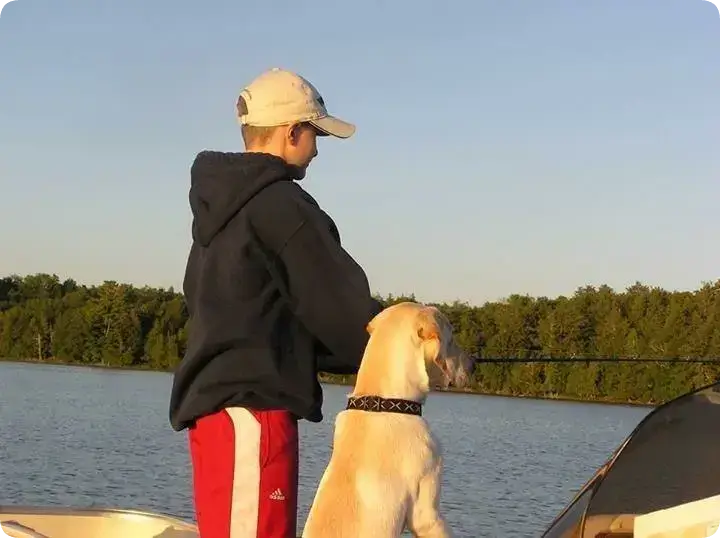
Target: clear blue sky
x,y
502,147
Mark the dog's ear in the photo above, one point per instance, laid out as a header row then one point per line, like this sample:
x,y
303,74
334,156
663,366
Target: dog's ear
x,y
427,326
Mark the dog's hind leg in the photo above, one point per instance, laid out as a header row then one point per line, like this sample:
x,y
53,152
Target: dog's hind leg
x,y
424,519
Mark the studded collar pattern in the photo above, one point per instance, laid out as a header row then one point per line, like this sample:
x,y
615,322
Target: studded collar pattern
x,y
384,405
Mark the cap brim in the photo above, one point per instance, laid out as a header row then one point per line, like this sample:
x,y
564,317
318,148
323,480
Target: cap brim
x,y
332,126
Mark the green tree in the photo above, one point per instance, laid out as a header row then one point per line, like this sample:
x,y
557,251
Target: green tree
x,y
45,318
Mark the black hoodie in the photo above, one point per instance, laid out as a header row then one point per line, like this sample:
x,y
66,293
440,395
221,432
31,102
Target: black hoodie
x,y
273,297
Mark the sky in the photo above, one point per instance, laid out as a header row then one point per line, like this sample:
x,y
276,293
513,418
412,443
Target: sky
x,y
502,147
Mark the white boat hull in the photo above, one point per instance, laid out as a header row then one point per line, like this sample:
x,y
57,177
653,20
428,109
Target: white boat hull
x,y
51,522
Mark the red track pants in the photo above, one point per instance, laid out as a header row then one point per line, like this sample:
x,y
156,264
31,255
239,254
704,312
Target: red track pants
x,y
245,474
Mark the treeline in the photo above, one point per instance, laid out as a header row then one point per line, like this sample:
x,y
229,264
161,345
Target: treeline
x,y
113,324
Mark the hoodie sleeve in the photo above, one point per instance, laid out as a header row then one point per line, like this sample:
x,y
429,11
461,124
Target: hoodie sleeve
x,y
329,290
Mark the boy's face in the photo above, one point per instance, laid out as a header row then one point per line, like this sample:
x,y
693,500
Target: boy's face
x,y
300,141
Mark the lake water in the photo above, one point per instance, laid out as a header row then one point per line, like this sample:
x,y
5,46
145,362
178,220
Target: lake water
x,y
95,437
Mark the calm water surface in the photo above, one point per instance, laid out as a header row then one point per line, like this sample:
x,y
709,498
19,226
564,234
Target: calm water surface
x,y
93,437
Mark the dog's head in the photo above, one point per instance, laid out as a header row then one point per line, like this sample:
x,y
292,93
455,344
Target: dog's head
x,y
441,359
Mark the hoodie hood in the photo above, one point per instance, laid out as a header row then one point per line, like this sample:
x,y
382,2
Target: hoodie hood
x,y
222,183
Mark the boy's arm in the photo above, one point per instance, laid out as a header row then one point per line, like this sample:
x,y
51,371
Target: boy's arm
x,y
328,363
329,290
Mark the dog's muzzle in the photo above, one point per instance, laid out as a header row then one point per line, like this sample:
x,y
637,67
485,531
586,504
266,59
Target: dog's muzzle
x,y
464,374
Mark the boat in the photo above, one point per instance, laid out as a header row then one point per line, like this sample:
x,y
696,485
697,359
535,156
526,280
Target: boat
x,y
662,482
665,475
50,522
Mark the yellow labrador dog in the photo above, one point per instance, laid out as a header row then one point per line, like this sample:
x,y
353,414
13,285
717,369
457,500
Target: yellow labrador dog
x,y
385,470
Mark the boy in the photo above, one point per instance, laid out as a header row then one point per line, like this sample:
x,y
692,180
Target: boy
x,y
273,298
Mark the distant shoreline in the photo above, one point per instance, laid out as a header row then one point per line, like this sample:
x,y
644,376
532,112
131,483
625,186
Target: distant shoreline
x,y
114,324
328,381
52,362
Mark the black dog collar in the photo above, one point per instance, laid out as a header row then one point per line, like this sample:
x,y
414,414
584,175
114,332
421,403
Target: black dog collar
x,y
385,405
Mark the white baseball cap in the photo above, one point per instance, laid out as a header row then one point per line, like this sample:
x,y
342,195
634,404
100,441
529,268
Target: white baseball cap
x,y
280,97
